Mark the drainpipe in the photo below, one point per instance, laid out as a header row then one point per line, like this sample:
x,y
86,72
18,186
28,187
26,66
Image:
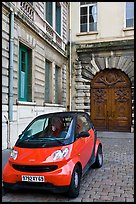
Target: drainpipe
x,y
11,62
70,56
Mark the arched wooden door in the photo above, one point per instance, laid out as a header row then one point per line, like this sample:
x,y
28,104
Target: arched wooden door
x,y
111,101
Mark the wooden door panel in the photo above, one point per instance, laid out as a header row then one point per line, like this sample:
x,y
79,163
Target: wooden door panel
x,y
121,109
99,110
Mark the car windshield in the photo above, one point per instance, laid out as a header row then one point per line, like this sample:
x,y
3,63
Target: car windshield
x,y
47,131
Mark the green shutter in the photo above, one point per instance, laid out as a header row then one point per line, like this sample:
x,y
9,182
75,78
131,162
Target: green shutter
x,y
47,82
29,78
58,19
23,74
56,85
49,12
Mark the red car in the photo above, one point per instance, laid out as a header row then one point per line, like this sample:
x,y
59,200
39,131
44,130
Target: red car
x,y
53,153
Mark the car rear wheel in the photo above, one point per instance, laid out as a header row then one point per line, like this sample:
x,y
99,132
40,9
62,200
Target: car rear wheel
x,y
75,183
99,158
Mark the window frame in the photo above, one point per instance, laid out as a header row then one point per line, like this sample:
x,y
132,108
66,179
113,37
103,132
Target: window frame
x,y
50,23
57,94
54,17
126,10
57,5
22,49
49,81
27,74
87,5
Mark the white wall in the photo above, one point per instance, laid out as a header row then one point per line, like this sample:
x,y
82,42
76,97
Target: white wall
x,y
110,23
22,116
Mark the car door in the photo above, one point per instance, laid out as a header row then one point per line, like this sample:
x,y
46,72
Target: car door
x,y
85,144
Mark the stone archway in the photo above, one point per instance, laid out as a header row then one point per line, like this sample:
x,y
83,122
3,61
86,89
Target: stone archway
x,y
111,101
88,65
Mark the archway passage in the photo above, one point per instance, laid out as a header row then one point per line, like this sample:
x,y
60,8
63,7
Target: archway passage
x,y
111,101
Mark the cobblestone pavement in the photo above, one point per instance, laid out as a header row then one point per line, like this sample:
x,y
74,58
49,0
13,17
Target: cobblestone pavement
x,y
113,182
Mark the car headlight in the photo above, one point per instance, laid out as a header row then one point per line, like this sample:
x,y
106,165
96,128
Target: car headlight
x,y
59,154
13,154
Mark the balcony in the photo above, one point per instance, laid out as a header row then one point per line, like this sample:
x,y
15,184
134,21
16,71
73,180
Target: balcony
x,y
27,8
52,34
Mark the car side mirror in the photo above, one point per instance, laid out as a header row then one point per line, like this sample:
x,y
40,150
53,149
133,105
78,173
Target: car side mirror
x,y
19,136
84,134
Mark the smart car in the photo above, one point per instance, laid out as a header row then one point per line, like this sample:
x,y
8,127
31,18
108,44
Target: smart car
x,y
53,153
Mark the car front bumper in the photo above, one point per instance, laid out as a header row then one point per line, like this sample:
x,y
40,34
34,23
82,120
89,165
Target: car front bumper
x,y
56,181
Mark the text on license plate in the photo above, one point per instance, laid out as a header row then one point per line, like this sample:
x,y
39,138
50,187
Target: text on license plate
x,y
33,178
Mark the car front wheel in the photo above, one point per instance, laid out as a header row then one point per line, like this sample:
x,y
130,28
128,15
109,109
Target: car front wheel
x,y
75,183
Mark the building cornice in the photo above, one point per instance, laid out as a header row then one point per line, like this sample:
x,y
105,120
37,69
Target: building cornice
x,y
106,46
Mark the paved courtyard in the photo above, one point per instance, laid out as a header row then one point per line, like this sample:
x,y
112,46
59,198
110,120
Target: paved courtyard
x,y
113,182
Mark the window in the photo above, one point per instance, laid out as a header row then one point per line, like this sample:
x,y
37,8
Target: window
x,y
82,125
48,81
53,15
82,121
57,85
58,18
88,16
129,14
49,7
37,126
25,74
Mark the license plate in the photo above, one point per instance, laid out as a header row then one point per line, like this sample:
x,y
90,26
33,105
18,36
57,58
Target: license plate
x,y
33,178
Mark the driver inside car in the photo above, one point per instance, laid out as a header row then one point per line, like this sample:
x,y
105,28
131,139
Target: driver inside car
x,y
57,127
79,125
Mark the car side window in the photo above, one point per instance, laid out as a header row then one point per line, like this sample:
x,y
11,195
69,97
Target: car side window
x,y
82,125
86,126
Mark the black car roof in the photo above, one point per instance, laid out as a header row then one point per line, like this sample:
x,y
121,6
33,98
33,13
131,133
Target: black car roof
x,y
73,113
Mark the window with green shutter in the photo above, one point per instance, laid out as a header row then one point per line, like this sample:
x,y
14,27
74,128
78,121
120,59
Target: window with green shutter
x,y
49,12
58,18
48,81
25,76
57,85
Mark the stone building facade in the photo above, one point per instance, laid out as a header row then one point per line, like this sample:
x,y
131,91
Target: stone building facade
x,y
34,63
102,40
60,56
